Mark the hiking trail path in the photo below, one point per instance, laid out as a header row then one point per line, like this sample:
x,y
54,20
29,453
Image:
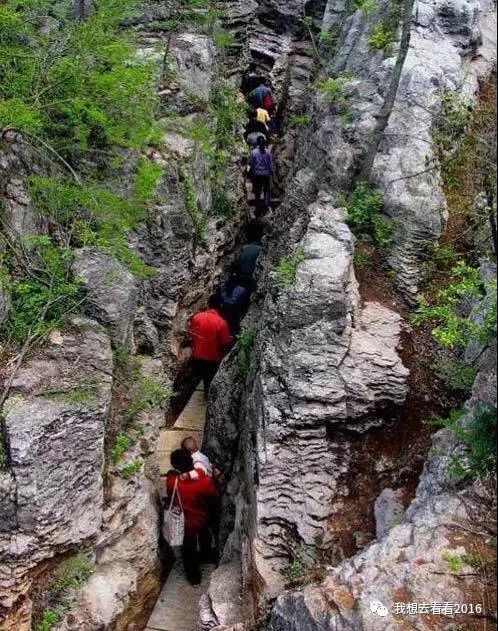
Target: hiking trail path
x,y
175,609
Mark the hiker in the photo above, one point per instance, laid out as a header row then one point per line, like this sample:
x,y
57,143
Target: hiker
x,y
200,460
263,117
262,96
235,299
262,168
196,498
210,336
251,79
254,130
249,256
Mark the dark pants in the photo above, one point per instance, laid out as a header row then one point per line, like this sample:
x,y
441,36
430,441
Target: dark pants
x,y
191,560
261,186
206,371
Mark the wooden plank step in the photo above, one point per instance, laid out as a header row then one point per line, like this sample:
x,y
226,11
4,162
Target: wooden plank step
x,y
194,415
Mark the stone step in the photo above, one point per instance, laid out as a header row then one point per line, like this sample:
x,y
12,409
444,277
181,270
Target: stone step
x,y
176,608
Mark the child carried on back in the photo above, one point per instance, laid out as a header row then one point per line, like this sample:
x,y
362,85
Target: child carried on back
x,y
202,464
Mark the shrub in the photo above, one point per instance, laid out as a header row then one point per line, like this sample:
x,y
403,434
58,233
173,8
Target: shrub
x,y
246,352
332,89
302,120
455,373
285,273
148,178
123,443
364,206
450,309
43,299
478,435
454,562
49,619
367,7
131,470
147,394
224,41
381,36
223,203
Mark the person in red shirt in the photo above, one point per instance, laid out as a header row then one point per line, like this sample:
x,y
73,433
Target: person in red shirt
x,y
198,497
210,336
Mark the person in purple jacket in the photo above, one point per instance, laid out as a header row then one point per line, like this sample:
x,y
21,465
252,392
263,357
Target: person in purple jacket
x,y
262,168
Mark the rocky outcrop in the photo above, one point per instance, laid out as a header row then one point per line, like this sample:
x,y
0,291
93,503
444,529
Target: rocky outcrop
x,y
111,292
412,563
55,423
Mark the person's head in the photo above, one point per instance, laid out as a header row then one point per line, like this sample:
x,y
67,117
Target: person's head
x,y
181,461
215,302
262,142
264,81
190,445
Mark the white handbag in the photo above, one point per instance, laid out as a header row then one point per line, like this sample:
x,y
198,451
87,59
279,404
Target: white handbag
x,y
174,521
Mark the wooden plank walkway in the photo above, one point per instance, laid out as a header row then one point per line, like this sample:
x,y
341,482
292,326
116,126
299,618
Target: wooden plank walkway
x,y
177,606
191,422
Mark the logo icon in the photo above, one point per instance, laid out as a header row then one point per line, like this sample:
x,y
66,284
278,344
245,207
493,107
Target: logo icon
x,y
377,607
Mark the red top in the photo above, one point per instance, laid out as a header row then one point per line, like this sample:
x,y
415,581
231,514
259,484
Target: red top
x,y
210,333
197,497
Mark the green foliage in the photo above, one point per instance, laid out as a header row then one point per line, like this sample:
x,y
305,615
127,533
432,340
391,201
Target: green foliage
x,y
42,300
478,436
455,373
454,562
223,203
49,620
147,394
123,443
148,178
361,260
285,273
224,41
131,470
455,329
192,207
381,36
364,206
245,356
302,120
367,7
295,573
71,574
92,215
332,89
327,40
80,86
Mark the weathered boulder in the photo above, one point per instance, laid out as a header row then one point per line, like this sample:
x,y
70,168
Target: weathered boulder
x,y
111,290
194,56
55,422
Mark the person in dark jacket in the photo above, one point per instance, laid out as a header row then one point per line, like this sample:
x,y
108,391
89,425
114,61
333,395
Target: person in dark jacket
x,y
254,130
252,79
262,168
262,96
235,299
249,256
197,498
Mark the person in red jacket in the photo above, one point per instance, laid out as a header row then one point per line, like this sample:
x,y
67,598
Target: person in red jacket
x,y
210,336
199,498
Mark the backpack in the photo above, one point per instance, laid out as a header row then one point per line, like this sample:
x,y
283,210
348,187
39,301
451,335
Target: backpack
x,y
268,101
174,521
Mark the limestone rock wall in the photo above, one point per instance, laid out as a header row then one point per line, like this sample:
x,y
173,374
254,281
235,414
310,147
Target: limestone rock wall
x,y
410,562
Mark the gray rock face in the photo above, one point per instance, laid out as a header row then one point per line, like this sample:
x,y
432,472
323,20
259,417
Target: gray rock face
x,y
324,365
388,512
195,63
55,427
112,292
4,304
410,563
16,162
